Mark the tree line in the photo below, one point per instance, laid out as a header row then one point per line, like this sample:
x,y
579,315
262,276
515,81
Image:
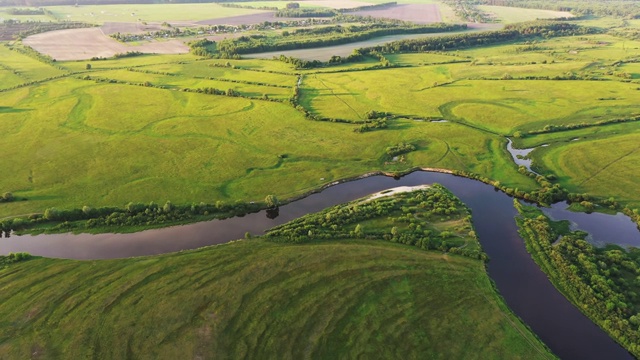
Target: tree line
x,y
230,48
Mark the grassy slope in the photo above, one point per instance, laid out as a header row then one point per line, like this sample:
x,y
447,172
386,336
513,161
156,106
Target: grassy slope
x,y
332,300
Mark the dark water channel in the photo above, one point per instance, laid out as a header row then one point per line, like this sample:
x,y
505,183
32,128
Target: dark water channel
x,y
525,288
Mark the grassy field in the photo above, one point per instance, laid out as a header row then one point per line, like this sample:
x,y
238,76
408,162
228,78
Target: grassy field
x,y
98,14
508,15
602,167
24,67
70,142
498,106
334,298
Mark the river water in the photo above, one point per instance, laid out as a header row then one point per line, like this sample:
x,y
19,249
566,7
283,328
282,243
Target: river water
x,y
526,289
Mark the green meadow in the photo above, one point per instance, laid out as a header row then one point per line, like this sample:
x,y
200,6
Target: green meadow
x,y
97,137
344,297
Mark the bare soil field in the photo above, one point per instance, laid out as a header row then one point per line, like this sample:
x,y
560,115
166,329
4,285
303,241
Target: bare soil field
x,y
82,44
337,4
417,13
129,27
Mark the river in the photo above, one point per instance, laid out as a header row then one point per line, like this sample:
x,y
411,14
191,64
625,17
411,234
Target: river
x,y
526,289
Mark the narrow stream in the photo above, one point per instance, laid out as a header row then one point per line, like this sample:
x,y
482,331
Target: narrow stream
x,y
526,289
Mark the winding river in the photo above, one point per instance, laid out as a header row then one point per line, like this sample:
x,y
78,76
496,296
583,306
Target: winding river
x,y
526,289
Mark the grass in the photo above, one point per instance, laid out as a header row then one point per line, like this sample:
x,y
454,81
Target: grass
x,y
99,14
337,298
345,299
602,167
509,15
497,106
24,67
73,143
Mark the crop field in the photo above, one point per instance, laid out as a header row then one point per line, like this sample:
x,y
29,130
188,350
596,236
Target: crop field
x,y
81,44
99,14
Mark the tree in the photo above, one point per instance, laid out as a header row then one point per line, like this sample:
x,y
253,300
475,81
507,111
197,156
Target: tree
x,y
358,231
271,201
88,67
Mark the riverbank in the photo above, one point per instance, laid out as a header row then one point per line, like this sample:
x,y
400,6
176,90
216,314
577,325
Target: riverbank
x,y
595,281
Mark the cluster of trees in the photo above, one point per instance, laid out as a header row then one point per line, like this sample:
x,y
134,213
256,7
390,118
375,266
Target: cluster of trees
x,y
127,54
7,197
230,48
239,6
565,127
15,29
467,10
201,47
616,8
511,32
13,258
407,219
400,149
27,11
133,214
371,126
603,282
305,12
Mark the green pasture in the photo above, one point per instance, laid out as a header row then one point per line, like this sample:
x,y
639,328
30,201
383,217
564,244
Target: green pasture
x,y
99,14
337,299
206,69
70,143
497,106
603,167
180,83
9,79
134,61
25,66
509,15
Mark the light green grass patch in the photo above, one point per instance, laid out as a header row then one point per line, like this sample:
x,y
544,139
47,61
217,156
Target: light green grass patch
x,y
26,67
601,167
181,82
205,69
421,59
9,79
